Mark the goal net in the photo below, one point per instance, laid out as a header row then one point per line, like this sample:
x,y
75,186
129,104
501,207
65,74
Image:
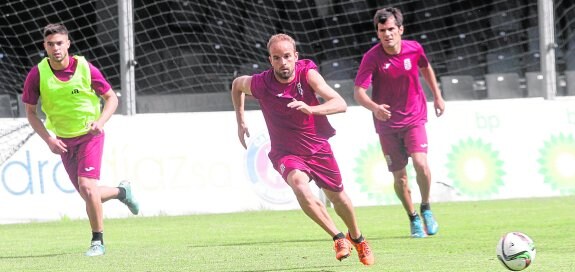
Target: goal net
x,y
199,46
13,134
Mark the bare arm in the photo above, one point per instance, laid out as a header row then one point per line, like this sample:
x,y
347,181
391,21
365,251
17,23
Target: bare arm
x,y
334,103
55,145
241,87
429,76
381,112
110,105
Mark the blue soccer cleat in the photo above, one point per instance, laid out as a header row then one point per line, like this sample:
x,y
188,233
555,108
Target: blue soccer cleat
x,y
129,199
96,249
431,226
417,228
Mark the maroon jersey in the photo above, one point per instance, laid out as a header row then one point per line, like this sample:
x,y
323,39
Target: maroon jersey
x,y
291,131
395,80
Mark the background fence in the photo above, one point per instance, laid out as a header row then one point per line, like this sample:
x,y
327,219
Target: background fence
x,y
197,47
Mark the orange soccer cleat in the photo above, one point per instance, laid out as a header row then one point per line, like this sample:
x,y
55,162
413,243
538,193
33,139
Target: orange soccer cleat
x,y
363,251
342,248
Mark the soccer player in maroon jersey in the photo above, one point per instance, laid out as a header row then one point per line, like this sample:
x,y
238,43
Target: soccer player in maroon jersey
x,y
299,131
399,109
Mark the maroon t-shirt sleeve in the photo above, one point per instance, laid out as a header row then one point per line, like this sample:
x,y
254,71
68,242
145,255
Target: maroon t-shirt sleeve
x,y
31,90
367,66
99,83
256,85
423,61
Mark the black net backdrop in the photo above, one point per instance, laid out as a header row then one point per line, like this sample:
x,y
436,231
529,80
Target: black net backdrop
x,y
200,46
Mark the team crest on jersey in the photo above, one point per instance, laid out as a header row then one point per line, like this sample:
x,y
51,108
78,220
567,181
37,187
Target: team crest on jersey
x,y
299,88
407,64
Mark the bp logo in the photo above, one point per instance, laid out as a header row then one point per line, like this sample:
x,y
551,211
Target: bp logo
x,y
370,171
557,161
266,181
475,168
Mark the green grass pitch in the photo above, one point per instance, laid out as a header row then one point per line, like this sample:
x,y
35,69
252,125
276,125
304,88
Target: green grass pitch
x,y
289,241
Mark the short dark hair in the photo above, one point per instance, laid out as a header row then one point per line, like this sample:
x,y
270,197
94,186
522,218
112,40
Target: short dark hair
x,y
383,14
55,29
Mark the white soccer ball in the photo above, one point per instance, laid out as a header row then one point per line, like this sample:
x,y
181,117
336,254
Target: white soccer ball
x,y
516,251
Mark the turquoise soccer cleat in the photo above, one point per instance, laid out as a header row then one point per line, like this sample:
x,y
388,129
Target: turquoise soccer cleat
x,y
431,226
417,228
96,249
129,199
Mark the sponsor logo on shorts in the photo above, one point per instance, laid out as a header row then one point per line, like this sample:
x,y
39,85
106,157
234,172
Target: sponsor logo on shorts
x,y
88,169
266,181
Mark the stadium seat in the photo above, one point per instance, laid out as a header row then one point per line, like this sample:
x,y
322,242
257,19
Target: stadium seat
x,y
256,66
570,78
457,87
426,89
196,102
504,85
297,18
339,69
464,62
463,57
531,59
506,17
21,107
535,87
5,106
534,84
570,55
504,61
345,89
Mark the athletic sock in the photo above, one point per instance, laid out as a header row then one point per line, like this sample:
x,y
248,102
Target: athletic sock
x,y
122,193
98,236
339,236
358,240
424,207
413,216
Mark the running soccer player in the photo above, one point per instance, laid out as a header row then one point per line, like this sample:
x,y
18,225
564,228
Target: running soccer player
x,y
70,89
299,132
399,109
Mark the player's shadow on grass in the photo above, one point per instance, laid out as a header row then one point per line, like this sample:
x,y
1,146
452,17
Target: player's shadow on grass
x,y
33,256
271,242
259,243
326,268
299,269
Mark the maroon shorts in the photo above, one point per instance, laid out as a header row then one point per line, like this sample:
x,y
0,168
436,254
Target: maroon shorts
x,y
397,147
321,167
84,157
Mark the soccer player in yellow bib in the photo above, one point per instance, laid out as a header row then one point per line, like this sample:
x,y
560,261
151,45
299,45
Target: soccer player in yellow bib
x,y
70,88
